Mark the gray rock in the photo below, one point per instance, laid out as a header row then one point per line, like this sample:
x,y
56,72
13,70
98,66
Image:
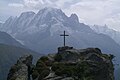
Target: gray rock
x,y
21,70
67,64
80,64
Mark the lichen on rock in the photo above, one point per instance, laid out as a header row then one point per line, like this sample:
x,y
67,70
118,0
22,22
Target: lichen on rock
x,y
69,64
78,64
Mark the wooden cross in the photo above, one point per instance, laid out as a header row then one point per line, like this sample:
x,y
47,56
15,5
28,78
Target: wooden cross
x,y
64,35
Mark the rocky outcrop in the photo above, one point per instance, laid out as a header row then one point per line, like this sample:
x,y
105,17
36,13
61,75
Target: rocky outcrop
x,y
67,64
75,64
21,70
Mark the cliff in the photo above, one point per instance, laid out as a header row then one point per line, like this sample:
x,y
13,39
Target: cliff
x,y
69,64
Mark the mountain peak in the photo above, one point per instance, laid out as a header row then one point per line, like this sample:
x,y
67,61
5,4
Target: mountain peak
x,y
74,17
47,15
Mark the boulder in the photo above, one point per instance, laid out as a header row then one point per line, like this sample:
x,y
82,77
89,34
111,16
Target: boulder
x,y
21,70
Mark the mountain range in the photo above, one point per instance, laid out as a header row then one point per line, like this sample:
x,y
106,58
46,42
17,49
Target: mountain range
x,y
40,31
115,35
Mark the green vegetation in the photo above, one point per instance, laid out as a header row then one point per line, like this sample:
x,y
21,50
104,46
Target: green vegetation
x,y
43,74
41,70
58,57
44,58
78,71
35,74
75,65
68,64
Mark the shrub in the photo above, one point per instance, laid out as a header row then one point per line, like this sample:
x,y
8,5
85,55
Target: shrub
x,y
40,64
59,72
56,66
43,74
44,58
35,74
63,69
83,70
58,57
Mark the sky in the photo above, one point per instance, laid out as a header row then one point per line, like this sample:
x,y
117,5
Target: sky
x,y
99,12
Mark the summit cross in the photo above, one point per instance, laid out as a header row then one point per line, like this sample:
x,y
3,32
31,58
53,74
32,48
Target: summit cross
x,y
64,35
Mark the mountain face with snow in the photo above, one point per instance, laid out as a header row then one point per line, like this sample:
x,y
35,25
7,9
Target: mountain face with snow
x,y
41,31
115,35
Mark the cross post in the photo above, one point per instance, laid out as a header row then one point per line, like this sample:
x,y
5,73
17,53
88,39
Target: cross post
x,y
64,35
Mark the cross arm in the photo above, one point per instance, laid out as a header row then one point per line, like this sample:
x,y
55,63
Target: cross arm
x,y
64,35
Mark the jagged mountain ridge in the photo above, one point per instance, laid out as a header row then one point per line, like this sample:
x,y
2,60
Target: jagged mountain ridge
x,y
44,18
40,32
115,35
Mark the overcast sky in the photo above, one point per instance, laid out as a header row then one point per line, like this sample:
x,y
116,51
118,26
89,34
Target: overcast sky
x,y
89,11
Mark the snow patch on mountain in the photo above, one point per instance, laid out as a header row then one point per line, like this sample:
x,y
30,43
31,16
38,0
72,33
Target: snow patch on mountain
x,y
115,35
40,31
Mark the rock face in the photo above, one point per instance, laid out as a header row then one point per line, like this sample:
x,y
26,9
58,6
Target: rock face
x,y
67,64
21,70
75,64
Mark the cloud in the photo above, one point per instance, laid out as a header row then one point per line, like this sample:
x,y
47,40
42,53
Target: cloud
x,y
38,4
88,10
16,5
98,12
113,22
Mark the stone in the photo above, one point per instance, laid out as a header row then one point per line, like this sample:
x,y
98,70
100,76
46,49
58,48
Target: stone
x,y
61,49
21,70
67,64
80,64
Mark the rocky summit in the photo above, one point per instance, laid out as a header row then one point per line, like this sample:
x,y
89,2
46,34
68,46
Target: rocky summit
x,y
67,64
